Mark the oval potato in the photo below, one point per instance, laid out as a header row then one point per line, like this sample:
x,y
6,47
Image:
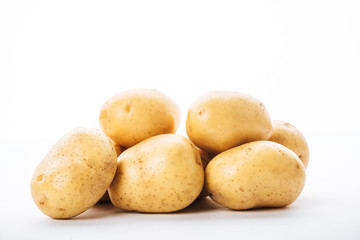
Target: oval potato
x,y
74,174
256,174
220,120
134,115
160,174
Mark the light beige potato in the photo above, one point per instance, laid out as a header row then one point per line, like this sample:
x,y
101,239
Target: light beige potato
x,y
74,174
220,120
134,115
291,137
256,174
160,174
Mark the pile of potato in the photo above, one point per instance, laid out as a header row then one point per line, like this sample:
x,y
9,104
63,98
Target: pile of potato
x,y
234,153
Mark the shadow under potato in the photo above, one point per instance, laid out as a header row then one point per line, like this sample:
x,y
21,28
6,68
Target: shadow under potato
x,y
99,210
201,205
107,209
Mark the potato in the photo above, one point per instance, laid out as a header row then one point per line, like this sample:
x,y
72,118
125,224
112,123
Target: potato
x,y
134,115
220,120
74,174
256,174
291,137
160,174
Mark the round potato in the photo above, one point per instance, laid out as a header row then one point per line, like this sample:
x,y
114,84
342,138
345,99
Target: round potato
x,y
74,174
134,115
291,137
256,174
220,120
160,174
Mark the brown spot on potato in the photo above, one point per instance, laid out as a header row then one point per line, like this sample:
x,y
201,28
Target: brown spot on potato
x,y
90,166
40,178
198,161
201,111
127,108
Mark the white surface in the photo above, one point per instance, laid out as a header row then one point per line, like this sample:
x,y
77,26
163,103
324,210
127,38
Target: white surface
x,y
60,61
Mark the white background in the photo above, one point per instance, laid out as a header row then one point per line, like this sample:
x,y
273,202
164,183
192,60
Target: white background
x,y
61,60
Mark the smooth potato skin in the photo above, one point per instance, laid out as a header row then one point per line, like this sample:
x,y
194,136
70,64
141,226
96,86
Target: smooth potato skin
x,y
256,174
291,137
74,174
220,120
161,174
134,115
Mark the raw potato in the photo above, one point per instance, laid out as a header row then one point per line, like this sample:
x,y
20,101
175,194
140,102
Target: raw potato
x,y
161,174
135,115
220,120
256,174
74,174
291,137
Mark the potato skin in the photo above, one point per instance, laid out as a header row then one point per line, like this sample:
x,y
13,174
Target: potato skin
x,y
134,115
291,137
160,174
74,174
256,174
220,120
